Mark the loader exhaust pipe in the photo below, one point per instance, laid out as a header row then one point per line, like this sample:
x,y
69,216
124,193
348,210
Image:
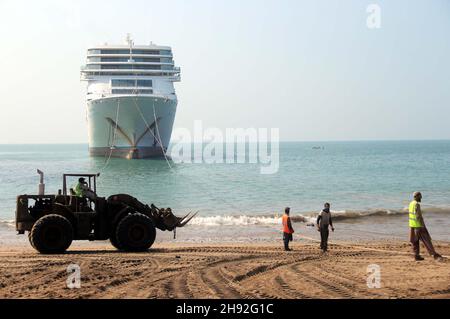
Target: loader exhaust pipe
x,y
41,187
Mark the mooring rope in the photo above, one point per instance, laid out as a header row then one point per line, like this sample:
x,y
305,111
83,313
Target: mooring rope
x,y
159,135
150,129
114,137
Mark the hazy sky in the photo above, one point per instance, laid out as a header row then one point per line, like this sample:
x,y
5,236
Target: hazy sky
x,y
311,68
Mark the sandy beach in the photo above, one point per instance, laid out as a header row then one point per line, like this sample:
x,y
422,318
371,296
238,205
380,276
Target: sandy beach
x,y
226,271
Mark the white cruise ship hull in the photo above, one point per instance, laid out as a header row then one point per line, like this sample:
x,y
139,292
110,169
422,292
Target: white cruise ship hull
x,y
131,127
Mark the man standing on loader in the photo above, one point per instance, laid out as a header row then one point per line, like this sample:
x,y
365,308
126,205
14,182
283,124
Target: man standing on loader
x,y
82,190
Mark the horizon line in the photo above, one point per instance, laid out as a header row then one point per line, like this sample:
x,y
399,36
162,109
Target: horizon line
x,y
282,141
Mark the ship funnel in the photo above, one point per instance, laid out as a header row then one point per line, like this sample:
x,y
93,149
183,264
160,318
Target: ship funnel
x,y
41,188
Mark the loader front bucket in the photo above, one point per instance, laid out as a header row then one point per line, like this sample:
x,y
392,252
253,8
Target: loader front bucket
x,y
170,221
186,219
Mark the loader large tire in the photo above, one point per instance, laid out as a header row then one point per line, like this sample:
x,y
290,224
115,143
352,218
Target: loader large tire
x,y
113,239
30,239
52,234
135,232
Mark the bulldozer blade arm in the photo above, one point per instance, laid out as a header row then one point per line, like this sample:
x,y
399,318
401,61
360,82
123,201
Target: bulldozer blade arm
x,y
186,219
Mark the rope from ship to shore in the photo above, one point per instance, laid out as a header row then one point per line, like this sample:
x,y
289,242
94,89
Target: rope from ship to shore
x,y
150,130
113,144
159,135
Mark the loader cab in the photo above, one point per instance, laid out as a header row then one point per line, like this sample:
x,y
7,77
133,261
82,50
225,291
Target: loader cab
x,y
79,203
73,178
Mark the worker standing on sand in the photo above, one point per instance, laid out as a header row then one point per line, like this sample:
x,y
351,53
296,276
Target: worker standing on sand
x,y
287,229
324,222
418,230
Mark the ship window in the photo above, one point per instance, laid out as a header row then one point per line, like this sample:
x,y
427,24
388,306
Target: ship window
x,y
147,67
146,83
130,67
147,59
92,66
166,67
115,59
107,59
115,51
127,91
131,83
94,72
127,51
93,59
146,52
123,83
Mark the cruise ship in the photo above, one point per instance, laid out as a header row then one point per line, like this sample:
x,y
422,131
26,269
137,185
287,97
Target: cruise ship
x,y
131,100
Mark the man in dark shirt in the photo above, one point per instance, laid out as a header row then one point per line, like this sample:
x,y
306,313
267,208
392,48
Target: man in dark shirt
x,y
324,221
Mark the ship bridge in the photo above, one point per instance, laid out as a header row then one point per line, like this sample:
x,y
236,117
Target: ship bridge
x,y
130,60
129,69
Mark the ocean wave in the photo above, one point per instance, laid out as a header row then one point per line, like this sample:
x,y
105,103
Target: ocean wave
x,y
352,214
275,219
308,217
7,223
242,220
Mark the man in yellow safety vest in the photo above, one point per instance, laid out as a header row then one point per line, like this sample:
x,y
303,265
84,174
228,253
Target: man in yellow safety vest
x,y
82,190
418,230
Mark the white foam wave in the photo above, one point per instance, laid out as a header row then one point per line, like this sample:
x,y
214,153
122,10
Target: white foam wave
x,y
347,214
7,223
236,220
308,217
275,219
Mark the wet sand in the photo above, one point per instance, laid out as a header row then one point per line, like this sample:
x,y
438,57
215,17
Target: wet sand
x,y
239,270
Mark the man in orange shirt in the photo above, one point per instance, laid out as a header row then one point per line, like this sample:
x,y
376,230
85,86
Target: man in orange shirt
x,y
287,229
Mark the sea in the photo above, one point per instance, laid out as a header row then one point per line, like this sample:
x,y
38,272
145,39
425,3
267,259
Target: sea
x,y
368,183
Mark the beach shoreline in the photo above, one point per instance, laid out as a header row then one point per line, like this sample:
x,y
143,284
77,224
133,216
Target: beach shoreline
x,y
226,270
